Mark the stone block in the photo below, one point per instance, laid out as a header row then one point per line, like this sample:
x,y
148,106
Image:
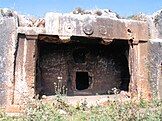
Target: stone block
x,y
8,39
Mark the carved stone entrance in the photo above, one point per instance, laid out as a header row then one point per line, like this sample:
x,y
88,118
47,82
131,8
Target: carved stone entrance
x,y
79,55
82,68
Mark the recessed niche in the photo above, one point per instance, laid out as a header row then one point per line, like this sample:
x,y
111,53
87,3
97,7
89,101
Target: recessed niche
x,y
82,80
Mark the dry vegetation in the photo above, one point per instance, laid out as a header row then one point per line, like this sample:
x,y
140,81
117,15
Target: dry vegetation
x,y
115,111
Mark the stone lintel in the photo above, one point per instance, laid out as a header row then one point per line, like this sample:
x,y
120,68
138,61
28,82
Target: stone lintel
x,y
90,27
95,26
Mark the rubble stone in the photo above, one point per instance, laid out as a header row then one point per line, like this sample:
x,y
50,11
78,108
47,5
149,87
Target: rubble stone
x,y
97,12
5,12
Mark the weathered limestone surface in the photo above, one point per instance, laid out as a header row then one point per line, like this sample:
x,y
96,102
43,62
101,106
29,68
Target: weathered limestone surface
x,y
155,68
155,54
8,36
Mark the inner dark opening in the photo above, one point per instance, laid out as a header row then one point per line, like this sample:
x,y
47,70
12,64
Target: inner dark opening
x,y
75,66
82,80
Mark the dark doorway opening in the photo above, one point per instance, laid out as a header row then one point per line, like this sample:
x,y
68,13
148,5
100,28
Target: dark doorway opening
x,y
82,80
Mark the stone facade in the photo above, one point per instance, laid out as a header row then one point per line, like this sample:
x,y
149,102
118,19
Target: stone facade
x,y
56,53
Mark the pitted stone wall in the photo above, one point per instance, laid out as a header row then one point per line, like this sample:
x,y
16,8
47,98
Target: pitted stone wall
x,y
8,37
155,68
155,53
